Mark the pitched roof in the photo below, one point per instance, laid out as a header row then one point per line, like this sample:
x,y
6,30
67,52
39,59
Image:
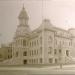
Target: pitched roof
x,y
46,24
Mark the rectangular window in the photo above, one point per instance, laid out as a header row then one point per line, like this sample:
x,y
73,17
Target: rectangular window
x,y
60,43
30,52
37,51
8,56
59,50
35,42
50,60
25,61
56,60
24,42
67,53
55,41
40,50
34,52
50,50
11,56
25,53
16,54
40,40
55,51
40,60
32,43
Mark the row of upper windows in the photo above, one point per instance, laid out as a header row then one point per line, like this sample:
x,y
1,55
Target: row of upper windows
x,y
57,51
35,42
35,52
31,43
69,43
63,34
21,42
50,51
24,53
31,52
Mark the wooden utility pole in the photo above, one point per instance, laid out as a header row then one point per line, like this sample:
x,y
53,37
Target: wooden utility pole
x,y
60,56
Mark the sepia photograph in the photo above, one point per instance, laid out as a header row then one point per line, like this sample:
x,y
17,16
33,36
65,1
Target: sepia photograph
x,y
37,37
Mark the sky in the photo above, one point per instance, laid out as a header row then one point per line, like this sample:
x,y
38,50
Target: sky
x,y
61,13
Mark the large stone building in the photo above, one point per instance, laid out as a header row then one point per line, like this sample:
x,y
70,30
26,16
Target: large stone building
x,y
5,52
45,45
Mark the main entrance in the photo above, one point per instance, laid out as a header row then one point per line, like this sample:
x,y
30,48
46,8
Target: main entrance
x,y
25,61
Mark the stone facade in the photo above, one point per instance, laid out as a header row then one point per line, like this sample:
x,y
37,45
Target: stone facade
x,y
45,45
5,53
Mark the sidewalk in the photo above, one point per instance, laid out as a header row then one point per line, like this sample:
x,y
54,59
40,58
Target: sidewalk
x,y
66,69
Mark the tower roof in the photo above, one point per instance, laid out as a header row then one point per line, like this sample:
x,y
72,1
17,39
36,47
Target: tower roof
x,y
23,14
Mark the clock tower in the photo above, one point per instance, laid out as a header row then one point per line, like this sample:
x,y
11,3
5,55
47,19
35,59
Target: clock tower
x,y
21,38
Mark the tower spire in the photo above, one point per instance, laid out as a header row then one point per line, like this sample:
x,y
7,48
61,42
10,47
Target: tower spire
x,y
23,17
23,14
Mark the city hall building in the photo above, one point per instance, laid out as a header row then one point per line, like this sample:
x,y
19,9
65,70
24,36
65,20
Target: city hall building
x,y
46,44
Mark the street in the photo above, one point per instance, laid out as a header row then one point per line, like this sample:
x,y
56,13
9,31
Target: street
x,y
67,69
